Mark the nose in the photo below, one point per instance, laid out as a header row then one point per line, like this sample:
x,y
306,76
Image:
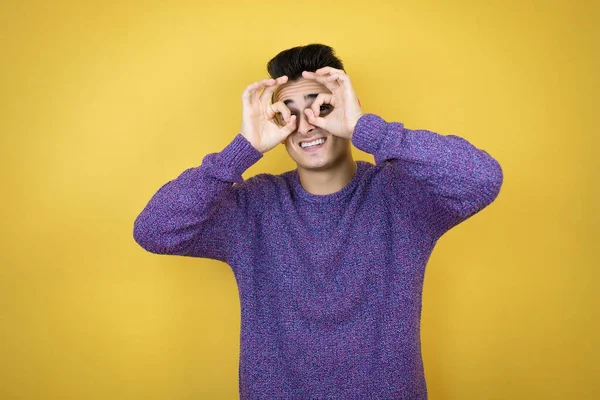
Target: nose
x,y
304,127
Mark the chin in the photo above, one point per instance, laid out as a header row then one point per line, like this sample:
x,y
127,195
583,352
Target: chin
x,y
322,166
318,165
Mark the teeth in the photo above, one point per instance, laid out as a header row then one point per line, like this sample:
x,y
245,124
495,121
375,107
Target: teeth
x,y
313,143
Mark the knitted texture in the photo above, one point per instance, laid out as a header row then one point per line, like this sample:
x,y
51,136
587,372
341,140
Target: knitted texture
x,y
330,286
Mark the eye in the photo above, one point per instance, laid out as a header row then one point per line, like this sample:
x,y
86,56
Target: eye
x,y
325,108
281,121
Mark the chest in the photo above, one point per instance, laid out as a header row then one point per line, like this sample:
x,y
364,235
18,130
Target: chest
x,y
325,260
326,236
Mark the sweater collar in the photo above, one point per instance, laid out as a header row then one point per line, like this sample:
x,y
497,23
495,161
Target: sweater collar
x,y
300,192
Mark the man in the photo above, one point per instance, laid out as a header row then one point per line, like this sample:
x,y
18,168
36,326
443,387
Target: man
x,y
329,258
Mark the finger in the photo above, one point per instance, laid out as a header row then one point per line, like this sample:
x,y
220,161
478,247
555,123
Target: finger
x,y
329,70
333,86
280,108
246,96
267,94
289,127
265,83
257,86
322,98
338,77
315,77
309,75
335,80
341,82
281,79
331,74
252,90
314,120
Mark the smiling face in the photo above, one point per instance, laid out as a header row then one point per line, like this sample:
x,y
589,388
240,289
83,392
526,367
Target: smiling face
x,y
312,148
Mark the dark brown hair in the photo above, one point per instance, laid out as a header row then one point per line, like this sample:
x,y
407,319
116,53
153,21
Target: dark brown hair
x,y
292,62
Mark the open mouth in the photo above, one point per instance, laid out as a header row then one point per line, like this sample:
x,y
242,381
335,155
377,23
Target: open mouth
x,y
313,144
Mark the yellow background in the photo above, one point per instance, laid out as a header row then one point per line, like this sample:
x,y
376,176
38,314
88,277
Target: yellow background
x,y
102,102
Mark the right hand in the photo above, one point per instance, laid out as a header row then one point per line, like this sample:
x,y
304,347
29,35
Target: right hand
x,y
259,123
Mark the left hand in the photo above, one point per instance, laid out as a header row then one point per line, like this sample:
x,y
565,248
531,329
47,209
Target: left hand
x,y
346,107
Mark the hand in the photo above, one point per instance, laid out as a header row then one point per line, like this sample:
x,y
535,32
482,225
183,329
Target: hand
x,y
346,107
259,123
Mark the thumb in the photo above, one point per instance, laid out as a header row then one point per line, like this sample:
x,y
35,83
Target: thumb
x,y
316,121
289,127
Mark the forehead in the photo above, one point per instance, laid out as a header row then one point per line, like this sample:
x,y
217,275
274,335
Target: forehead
x,y
298,89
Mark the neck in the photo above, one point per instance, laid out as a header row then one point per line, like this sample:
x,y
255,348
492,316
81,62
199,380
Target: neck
x,y
331,180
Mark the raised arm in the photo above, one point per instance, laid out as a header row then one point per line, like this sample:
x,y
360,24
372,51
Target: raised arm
x,y
452,178
201,213
197,214
457,179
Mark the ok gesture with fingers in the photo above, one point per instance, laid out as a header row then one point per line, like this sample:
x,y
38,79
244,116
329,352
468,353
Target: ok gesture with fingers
x,y
259,123
346,107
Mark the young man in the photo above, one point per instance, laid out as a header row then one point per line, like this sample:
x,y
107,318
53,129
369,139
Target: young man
x,y
329,258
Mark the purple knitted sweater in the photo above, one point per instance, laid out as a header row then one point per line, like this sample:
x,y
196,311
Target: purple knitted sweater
x,y
331,285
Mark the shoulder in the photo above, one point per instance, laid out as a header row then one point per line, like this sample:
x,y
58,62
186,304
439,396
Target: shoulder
x,y
389,180
264,186
376,174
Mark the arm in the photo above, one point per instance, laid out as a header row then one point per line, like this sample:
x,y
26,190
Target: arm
x,y
452,179
200,213
457,179
197,214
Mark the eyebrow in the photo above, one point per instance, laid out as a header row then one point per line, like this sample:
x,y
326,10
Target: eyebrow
x,y
308,96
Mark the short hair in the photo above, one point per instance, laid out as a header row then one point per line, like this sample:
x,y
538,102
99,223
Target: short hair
x,y
292,62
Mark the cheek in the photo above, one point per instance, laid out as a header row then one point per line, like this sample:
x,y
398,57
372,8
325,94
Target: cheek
x,y
288,144
288,141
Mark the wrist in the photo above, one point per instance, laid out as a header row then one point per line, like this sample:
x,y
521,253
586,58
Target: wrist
x,y
253,143
353,126
261,148
369,133
238,155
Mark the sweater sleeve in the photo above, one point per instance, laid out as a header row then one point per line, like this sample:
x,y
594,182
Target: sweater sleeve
x,y
198,213
454,179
